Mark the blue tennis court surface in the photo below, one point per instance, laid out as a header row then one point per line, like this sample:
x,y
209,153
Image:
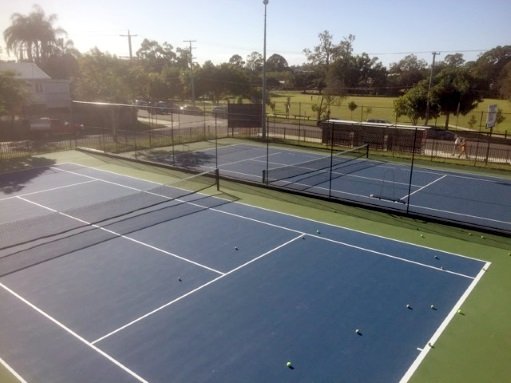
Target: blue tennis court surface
x,y
473,199
197,288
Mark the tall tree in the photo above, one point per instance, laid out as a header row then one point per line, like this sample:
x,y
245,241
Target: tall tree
x,y
237,60
406,73
103,77
413,103
254,62
488,68
33,35
276,63
13,94
455,92
155,56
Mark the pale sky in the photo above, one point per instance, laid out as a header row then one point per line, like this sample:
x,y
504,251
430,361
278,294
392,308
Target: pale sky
x,y
387,29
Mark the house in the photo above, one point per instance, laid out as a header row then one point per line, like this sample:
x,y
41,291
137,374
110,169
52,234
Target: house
x,y
47,96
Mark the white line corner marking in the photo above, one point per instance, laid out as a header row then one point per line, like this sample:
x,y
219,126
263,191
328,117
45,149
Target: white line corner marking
x,y
74,334
424,351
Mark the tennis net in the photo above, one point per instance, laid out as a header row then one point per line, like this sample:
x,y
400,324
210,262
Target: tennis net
x,y
335,161
54,233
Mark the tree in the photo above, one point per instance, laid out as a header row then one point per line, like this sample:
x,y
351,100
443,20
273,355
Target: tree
x,y
413,104
103,77
33,34
155,56
489,67
254,62
237,60
217,82
276,63
406,73
62,63
352,106
13,95
455,92
454,60
505,82
323,53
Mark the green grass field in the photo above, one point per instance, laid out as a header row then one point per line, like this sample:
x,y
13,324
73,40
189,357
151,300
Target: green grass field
x,y
382,108
475,347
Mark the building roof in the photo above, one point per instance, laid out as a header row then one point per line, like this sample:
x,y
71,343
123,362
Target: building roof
x,y
25,71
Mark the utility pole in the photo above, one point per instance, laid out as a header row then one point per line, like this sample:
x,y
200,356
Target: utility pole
x,y
428,102
191,68
264,127
129,36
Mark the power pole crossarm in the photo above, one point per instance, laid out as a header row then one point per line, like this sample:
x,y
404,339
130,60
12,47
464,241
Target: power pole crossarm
x,y
129,36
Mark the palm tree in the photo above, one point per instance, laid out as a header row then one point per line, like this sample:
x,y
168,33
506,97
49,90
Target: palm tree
x,y
32,35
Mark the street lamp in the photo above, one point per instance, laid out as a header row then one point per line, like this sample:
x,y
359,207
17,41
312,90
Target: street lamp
x,y
263,111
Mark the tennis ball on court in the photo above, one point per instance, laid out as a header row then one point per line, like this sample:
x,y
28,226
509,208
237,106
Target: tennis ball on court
x,y
460,312
236,248
289,364
482,236
318,232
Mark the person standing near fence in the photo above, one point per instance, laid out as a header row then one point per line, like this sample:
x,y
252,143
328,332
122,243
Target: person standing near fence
x,y
457,142
463,148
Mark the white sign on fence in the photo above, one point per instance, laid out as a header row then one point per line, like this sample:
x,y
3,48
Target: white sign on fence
x,y
491,120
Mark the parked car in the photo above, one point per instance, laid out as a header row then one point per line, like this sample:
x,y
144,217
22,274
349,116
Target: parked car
x,y
220,111
440,134
142,104
48,127
378,121
163,107
191,109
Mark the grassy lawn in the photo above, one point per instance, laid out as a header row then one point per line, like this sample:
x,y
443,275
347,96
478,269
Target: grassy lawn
x,y
382,108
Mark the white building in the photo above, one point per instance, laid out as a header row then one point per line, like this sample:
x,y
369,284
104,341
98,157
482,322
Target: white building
x,y
46,94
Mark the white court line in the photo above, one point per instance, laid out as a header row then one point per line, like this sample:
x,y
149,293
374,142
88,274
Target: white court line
x,y
123,236
74,334
298,231
195,290
393,257
460,214
425,350
247,159
12,371
47,190
424,187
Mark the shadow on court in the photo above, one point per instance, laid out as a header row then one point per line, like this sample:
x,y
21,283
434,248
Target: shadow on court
x,y
15,173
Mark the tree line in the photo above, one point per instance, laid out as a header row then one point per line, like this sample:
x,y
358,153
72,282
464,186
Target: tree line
x,y
332,69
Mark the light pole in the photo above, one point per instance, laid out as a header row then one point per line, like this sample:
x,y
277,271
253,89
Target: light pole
x,y
263,111
428,102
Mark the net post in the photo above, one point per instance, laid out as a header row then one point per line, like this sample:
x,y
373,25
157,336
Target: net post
x,y
217,179
265,177
367,151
